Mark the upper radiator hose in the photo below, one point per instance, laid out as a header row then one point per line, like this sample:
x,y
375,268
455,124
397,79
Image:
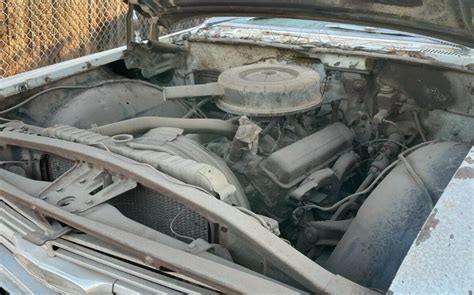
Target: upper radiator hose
x,y
143,124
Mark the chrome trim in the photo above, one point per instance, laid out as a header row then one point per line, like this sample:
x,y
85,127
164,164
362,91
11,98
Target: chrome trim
x,y
63,266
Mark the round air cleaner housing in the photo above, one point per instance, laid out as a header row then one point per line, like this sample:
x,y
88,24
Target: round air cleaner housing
x,y
269,90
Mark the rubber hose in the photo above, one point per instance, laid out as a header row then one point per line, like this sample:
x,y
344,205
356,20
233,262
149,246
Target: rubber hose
x,y
388,222
143,124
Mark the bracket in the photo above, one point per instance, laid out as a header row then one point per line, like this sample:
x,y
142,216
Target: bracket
x,y
151,56
85,186
39,238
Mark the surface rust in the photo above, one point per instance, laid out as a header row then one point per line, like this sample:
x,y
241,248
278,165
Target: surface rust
x,y
469,160
465,173
430,225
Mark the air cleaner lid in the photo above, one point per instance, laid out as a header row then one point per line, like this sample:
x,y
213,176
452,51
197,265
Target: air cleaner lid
x,y
269,90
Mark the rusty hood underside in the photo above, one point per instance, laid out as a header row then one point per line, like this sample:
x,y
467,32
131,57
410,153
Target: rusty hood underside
x,y
450,20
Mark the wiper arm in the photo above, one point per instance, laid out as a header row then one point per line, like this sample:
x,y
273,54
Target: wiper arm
x,y
370,30
218,20
388,32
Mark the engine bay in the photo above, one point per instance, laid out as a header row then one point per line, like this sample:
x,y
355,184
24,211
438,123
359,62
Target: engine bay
x,y
342,157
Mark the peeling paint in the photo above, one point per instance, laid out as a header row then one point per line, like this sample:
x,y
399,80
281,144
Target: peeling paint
x,y
469,160
440,260
312,42
429,225
465,173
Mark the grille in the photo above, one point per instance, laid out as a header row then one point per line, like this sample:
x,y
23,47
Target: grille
x,y
56,167
148,208
37,33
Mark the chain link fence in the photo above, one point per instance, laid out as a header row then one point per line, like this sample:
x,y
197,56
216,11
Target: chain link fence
x,y
37,33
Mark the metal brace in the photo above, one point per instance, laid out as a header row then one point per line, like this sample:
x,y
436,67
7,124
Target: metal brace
x,y
39,238
83,187
313,181
200,245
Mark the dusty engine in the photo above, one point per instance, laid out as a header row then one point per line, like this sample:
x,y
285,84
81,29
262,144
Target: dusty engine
x,y
298,160
333,177
278,151
281,153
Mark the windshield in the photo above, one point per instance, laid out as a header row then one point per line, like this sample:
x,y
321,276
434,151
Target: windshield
x,y
304,34
323,27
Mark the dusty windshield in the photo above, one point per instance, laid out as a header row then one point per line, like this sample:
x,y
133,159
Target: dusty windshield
x,y
306,34
322,27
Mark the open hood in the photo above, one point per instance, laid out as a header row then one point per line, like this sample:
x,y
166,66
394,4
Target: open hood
x,y
450,20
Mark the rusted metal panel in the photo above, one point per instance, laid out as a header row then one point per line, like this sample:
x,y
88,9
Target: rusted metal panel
x,y
320,43
440,261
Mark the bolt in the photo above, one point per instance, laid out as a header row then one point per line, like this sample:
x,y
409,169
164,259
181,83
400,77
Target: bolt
x,y
22,88
386,89
148,260
311,234
370,149
358,85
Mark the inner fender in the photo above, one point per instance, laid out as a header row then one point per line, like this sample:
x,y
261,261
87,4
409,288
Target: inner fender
x,y
388,222
111,103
